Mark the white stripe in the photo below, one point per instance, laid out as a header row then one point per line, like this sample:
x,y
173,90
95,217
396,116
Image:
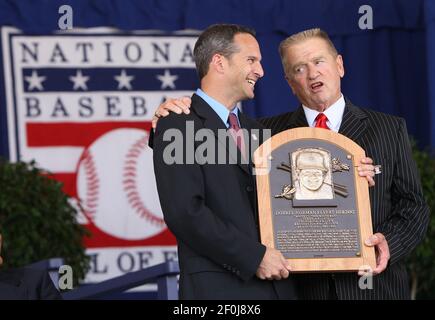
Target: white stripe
x,y
54,159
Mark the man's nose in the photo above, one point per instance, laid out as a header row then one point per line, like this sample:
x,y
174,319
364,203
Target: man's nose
x,y
259,72
312,72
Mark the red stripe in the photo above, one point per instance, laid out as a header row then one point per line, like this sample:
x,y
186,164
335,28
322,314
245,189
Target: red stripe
x,y
100,239
69,182
74,134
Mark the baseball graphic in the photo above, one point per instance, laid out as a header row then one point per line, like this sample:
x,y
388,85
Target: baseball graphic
x,y
117,188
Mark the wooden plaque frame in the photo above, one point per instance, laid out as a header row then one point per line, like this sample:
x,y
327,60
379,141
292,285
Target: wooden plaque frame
x,y
262,157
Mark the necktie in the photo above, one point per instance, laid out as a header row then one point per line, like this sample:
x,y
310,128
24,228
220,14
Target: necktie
x,y
236,133
321,121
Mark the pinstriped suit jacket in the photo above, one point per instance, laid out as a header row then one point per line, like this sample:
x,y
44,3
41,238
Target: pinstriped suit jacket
x,y
399,210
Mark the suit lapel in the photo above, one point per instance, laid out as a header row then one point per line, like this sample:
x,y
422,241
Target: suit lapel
x,y
353,124
297,119
214,123
204,111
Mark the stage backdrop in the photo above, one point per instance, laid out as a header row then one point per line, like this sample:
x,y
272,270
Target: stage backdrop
x,y
80,102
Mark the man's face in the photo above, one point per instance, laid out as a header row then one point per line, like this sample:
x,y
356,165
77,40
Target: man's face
x,y
244,67
314,73
312,179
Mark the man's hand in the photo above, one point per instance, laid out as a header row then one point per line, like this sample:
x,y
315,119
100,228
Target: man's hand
x,y
177,105
382,252
367,169
273,266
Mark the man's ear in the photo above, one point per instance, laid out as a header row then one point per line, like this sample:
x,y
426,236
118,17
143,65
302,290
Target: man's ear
x,y
218,63
340,65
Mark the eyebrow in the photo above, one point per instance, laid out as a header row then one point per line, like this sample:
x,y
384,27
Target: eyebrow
x,y
297,65
318,57
254,57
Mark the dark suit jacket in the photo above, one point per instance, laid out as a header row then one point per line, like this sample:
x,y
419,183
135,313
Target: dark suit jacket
x,y
398,208
27,284
210,208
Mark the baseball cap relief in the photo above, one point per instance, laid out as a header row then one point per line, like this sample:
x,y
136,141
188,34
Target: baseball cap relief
x,y
311,160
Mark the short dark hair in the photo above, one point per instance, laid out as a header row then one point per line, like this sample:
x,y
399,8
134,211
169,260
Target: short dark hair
x,y
216,39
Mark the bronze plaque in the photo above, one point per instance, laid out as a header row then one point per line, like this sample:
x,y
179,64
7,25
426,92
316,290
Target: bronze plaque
x,y
313,206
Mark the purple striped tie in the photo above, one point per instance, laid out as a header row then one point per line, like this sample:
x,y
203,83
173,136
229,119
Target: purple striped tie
x,y
236,133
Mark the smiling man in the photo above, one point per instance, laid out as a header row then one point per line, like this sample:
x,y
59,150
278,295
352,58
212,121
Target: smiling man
x,y
210,207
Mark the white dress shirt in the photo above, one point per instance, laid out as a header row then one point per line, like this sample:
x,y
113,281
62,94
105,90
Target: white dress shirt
x,y
334,114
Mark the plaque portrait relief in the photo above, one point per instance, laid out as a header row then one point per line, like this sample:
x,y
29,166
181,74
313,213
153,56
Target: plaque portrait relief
x,y
311,174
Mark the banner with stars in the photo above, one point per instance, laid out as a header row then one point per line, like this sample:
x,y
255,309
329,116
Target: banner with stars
x,y
81,105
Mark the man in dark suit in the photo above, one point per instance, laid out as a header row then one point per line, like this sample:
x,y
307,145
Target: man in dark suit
x,y
209,202
26,284
314,69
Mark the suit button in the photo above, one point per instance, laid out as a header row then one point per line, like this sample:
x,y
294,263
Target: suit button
x,y
249,188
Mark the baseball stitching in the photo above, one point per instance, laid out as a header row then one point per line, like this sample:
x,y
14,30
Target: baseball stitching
x,y
92,183
130,182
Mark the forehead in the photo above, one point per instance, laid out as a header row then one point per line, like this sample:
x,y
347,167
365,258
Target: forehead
x,y
247,44
306,50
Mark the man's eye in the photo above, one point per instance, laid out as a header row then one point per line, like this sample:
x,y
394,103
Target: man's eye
x,y
299,69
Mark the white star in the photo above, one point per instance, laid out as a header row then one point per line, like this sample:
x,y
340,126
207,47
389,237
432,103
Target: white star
x,y
124,80
79,80
167,80
35,81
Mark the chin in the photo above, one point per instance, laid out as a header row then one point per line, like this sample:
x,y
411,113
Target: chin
x,y
250,95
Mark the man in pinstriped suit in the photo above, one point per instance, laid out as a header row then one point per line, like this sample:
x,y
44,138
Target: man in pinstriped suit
x,y
313,69
400,215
